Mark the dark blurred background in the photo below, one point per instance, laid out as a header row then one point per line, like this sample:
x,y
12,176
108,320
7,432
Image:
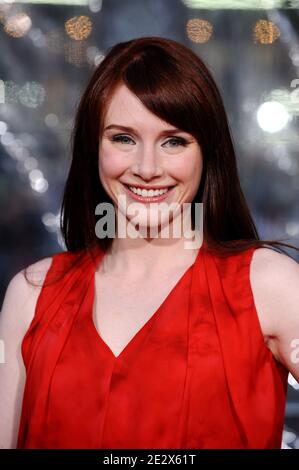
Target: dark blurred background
x,y
48,52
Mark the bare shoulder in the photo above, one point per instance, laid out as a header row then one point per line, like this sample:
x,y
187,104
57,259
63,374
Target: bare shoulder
x,y
274,280
274,269
273,272
22,293
267,257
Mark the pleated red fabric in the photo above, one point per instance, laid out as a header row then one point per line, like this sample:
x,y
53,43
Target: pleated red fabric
x,y
197,375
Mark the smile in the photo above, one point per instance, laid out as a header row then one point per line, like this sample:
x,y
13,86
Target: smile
x,y
148,195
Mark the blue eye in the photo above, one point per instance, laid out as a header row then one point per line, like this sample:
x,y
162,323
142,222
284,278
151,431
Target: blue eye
x,y
125,139
121,138
177,140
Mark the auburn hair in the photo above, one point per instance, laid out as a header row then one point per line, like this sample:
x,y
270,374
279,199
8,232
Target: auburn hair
x,y
173,83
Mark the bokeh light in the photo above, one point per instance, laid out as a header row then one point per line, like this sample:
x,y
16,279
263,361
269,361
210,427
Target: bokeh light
x,y
198,30
272,116
75,52
265,32
7,139
95,5
41,185
37,181
94,56
51,221
3,127
32,95
30,163
51,120
11,91
37,37
78,27
17,25
4,10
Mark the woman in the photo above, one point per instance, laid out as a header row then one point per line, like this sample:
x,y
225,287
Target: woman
x,y
139,342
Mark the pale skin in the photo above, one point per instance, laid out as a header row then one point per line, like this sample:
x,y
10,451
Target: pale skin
x,y
147,157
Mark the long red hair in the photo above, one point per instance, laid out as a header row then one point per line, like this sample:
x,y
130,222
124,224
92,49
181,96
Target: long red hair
x,y
174,84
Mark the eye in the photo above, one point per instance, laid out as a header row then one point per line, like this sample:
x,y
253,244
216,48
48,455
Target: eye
x,y
174,141
177,141
123,139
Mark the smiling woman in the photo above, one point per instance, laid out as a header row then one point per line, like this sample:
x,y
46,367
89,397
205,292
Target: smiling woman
x,y
138,342
150,163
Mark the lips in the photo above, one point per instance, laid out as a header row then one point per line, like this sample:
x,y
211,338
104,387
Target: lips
x,y
141,186
146,199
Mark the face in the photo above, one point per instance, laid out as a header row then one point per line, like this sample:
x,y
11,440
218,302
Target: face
x,y
145,160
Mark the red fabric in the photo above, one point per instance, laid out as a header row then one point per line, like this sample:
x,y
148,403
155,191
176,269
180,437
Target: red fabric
x,y
197,375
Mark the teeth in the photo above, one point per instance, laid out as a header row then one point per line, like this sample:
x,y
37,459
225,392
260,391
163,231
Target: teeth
x,y
146,193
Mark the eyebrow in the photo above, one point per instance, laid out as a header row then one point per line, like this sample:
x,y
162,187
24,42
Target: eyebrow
x,y
130,129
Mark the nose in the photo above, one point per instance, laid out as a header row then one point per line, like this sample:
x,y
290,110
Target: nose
x,y
147,164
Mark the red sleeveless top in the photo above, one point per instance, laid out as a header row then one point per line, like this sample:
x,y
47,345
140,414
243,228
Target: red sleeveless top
x,y
197,375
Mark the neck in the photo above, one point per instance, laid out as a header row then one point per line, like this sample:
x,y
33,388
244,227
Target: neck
x,y
143,256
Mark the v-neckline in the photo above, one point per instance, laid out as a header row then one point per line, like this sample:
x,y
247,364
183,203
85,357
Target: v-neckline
x,y
145,326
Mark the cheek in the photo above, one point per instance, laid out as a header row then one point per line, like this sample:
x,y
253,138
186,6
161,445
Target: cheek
x,y
188,168
111,164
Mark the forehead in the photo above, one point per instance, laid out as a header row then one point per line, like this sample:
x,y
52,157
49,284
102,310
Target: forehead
x,y
126,109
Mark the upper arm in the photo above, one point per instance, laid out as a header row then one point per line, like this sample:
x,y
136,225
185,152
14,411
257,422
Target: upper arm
x,y
275,285
15,317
